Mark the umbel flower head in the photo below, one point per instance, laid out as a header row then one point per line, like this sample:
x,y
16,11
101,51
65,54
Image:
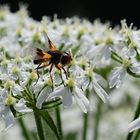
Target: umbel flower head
x,y
97,51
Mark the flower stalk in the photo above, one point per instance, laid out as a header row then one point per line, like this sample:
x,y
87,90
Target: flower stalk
x,y
25,131
58,121
97,120
137,113
39,125
85,121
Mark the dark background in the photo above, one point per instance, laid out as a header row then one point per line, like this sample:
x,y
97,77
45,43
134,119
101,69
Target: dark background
x,y
106,10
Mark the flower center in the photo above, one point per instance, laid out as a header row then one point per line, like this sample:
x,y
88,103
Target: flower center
x,y
33,75
89,72
71,82
9,84
49,82
126,62
9,100
4,62
15,70
109,41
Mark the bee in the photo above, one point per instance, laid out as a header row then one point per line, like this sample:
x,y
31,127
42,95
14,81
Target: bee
x,y
51,57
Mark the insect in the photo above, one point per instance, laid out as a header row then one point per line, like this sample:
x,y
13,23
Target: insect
x,y
52,57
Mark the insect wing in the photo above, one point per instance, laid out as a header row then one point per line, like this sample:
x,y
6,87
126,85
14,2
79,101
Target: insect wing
x,y
49,44
41,56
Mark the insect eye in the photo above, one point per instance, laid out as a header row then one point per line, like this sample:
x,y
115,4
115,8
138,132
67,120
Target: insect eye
x,y
65,59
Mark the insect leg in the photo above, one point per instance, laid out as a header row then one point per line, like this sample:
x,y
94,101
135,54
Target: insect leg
x,y
66,72
37,74
50,72
58,66
37,68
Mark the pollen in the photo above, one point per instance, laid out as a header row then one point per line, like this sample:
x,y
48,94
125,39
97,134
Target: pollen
x,y
89,72
126,62
132,45
9,84
33,75
109,41
15,70
71,82
9,100
19,32
36,37
49,82
18,59
4,62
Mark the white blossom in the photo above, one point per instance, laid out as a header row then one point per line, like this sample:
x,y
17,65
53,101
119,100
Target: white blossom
x,y
91,81
66,93
5,112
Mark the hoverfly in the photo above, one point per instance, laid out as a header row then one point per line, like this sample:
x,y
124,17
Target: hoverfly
x,y
52,57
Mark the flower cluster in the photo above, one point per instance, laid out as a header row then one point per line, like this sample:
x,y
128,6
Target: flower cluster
x,y
102,58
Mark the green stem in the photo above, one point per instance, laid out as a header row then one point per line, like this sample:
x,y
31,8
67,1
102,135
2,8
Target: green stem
x,y
39,126
137,113
116,57
58,121
48,119
137,135
85,121
97,120
85,126
38,120
25,131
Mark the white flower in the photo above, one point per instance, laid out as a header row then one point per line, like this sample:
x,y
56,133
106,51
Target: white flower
x,y
66,93
100,91
117,76
5,112
134,125
13,88
119,73
91,81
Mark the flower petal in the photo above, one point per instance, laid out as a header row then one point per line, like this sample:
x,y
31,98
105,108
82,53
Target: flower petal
x,y
135,68
131,53
8,118
43,96
81,100
57,92
67,99
101,92
17,90
21,106
63,92
134,125
106,53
